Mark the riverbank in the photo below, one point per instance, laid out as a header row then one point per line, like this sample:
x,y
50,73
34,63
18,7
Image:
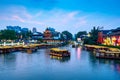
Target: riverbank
x,y
28,47
92,47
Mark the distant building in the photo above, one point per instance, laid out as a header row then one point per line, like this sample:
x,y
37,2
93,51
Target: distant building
x,y
15,28
47,34
24,30
34,30
50,33
37,35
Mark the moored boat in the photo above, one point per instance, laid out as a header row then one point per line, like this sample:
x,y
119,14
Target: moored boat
x,y
59,52
108,54
29,48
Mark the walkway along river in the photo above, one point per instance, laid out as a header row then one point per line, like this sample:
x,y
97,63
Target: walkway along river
x,y
82,65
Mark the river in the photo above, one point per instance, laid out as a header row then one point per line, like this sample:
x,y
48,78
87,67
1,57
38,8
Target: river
x,y
82,65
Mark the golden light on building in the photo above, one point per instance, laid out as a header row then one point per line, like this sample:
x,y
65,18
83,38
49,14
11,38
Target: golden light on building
x,y
113,39
118,41
107,41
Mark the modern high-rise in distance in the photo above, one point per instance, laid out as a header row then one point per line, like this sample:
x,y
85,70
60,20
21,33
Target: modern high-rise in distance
x,y
34,30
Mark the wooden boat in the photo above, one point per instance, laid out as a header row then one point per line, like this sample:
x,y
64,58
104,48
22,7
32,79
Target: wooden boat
x,y
108,54
59,52
29,48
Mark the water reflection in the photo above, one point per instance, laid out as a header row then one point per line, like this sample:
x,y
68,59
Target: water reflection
x,y
7,62
112,64
38,65
78,53
61,59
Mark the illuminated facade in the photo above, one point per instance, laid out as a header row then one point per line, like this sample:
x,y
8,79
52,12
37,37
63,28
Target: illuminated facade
x,y
112,37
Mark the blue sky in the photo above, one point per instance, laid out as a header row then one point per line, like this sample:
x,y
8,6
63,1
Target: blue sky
x,y
72,15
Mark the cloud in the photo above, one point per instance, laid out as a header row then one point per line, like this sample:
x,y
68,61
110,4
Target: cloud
x,y
18,18
58,18
15,13
52,17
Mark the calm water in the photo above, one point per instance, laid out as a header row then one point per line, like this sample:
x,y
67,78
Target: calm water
x,y
40,66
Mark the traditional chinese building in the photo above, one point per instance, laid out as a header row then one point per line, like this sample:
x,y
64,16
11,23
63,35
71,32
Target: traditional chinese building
x,y
47,34
50,33
51,36
109,37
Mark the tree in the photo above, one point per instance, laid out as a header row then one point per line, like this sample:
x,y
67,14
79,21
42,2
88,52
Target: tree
x,y
7,35
26,35
93,36
66,35
80,34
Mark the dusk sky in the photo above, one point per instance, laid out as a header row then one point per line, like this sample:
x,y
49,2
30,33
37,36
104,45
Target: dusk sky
x,y
71,15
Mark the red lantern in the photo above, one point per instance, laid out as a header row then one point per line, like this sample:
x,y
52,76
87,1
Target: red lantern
x,y
118,41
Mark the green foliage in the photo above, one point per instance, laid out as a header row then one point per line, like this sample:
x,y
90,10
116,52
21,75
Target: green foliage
x,y
67,35
26,35
12,35
40,40
93,36
80,34
7,35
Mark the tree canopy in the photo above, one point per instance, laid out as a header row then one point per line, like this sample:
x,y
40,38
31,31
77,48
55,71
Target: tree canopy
x,y
7,35
67,35
80,34
93,36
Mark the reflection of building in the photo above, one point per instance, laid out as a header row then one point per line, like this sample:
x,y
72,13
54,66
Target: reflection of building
x,y
109,37
61,59
114,65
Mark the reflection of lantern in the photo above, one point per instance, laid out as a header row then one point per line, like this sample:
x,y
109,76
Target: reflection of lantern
x,y
78,53
114,40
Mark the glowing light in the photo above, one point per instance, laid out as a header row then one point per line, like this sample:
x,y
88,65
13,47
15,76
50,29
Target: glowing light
x,y
118,41
78,53
114,40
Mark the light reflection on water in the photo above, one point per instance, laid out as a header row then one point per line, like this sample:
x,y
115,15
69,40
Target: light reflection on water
x,y
82,65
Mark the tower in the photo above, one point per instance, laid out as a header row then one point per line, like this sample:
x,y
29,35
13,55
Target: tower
x,y
34,30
